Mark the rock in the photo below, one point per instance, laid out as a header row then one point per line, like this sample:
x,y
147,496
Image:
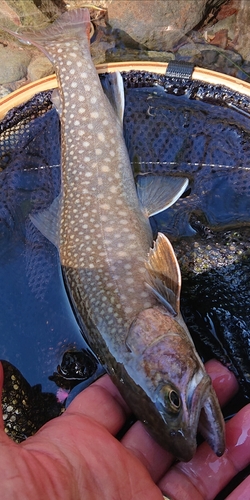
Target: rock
x,y
221,27
51,8
13,64
220,38
244,72
157,24
154,55
39,68
27,12
242,28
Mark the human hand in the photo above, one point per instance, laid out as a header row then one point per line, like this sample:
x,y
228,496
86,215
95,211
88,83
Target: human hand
x,y
76,455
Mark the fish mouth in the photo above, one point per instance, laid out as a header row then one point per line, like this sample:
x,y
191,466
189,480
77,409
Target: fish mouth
x,y
206,416
201,414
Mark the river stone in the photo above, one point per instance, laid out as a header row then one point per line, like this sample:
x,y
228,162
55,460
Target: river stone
x,y
27,12
13,64
39,68
242,29
157,24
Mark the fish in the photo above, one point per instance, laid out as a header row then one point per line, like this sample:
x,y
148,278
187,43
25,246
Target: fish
x,y
126,293
209,144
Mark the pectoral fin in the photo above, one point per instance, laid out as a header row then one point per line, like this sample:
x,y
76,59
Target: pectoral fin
x,y
164,274
47,222
158,192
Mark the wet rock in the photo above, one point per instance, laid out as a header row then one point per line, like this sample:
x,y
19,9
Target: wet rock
x,y
244,72
39,68
228,9
220,38
51,8
156,24
242,28
3,92
13,64
27,12
154,55
226,25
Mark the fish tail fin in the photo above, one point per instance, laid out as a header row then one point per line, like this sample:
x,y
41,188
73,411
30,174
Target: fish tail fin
x,y
70,24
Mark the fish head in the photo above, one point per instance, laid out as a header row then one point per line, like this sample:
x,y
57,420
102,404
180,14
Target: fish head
x,y
182,399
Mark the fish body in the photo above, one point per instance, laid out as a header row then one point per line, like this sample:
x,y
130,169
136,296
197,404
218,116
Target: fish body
x,y
104,238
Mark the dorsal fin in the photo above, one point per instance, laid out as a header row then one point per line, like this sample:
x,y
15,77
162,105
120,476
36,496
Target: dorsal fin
x,y
164,274
158,192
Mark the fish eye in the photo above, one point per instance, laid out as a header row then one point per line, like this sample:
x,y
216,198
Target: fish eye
x,y
172,399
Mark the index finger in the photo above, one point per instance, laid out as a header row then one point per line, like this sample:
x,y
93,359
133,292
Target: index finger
x,y
103,403
206,474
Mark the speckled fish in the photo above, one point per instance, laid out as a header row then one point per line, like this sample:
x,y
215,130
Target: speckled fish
x,y
131,310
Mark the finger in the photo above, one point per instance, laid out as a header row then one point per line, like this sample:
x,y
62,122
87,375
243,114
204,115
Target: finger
x,y
152,455
224,381
206,474
242,491
102,403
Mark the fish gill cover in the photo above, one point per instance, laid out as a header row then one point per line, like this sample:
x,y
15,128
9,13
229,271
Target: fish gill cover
x,y
185,137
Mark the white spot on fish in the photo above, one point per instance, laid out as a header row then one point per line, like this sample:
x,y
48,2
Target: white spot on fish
x,y
72,71
121,254
93,100
105,168
81,110
90,126
85,144
81,98
87,88
74,85
101,136
94,114
98,151
81,132
84,74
